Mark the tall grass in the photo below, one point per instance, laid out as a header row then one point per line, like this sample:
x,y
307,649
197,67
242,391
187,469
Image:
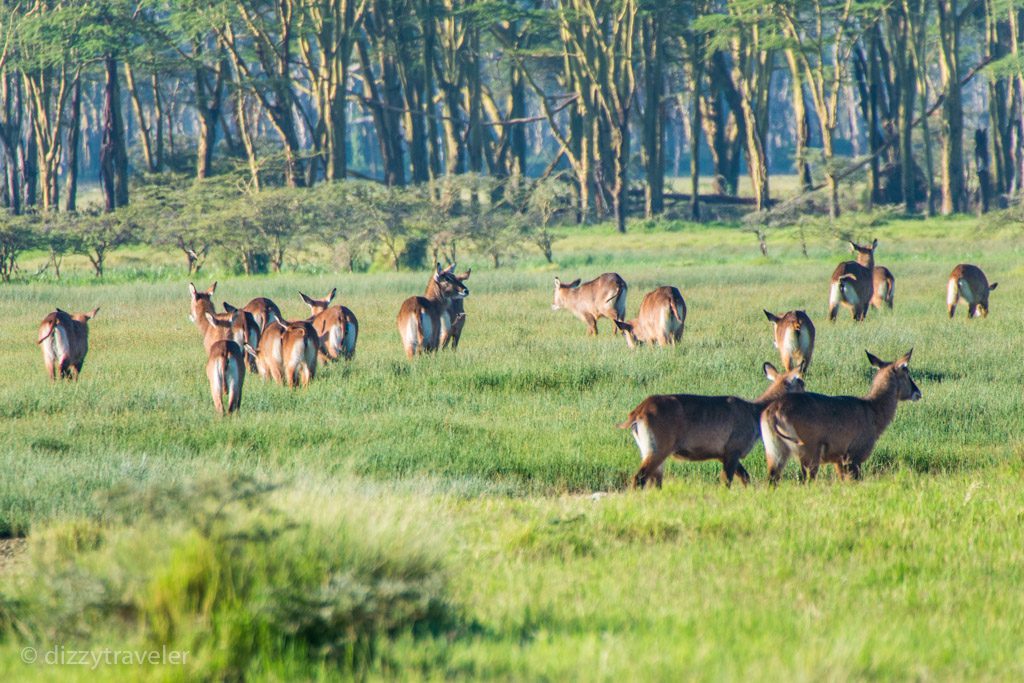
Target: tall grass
x,y
504,443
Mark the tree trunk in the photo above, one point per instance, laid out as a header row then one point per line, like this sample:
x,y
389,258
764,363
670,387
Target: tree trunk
x,y
73,145
140,116
954,198
654,116
113,156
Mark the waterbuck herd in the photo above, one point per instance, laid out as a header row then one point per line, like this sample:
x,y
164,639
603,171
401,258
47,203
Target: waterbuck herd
x,y
815,428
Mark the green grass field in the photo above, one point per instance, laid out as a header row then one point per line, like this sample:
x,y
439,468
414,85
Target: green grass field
x,y
493,482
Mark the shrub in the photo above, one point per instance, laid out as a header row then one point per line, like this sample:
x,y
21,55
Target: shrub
x,y
233,573
17,234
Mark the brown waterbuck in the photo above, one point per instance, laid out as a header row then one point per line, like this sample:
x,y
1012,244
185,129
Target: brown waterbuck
x,y
288,352
263,311
660,319
969,283
794,338
225,368
239,326
336,325
841,430
456,309
696,428
884,287
853,283
64,339
602,297
424,321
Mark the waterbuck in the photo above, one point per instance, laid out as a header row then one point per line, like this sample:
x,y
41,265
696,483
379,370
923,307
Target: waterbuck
x,y
883,286
794,338
336,325
967,282
660,319
456,309
263,311
841,430
239,326
852,283
602,297
424,321
64,339
696,428
225,368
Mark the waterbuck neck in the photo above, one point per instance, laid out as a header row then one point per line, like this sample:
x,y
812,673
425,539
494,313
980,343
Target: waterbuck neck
x,y
883,398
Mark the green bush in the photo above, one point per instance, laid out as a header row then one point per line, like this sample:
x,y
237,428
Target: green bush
x,y
233,573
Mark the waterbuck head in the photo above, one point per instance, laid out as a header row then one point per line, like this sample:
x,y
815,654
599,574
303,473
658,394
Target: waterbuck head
x,y
201,302
981,308
791,382
629,333
447,284
898,372
560,289
319,305
865,255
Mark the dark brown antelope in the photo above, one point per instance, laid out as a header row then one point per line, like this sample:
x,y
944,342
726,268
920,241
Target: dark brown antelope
x,y
660,319
64,339
423,319
794,338
240,326
696,428
456,309
225,368
853,283
602,297
841,430
336,325
967,282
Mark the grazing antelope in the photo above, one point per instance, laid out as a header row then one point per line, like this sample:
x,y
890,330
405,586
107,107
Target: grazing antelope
x,y
240,326
602,297
967,282
884,287
794,338
660,320
853,283
225,368
263,310
64,339
268,357
336,325
841,430
456,309
423,319
696,428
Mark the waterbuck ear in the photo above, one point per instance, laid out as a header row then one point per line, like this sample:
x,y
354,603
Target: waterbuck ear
x,y
905,360
61,311
770,372
212,289
210,319
558,283
874,244
876,361
192,290
228,307
450,269
624,326
437,268
309,302
771,316
574,284
853,247
992,286
464,276
92,314
330,297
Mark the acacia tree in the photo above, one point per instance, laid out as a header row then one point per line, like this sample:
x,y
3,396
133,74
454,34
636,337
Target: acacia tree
x,y
824,34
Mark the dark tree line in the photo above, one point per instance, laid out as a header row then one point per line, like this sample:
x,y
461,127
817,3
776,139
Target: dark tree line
x,y
620,94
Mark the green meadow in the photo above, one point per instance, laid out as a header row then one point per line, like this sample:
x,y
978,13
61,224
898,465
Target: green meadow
x,y
468,515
